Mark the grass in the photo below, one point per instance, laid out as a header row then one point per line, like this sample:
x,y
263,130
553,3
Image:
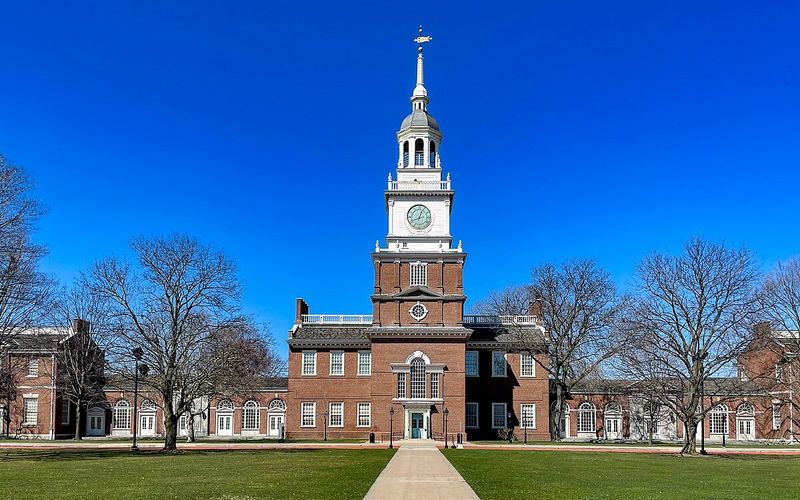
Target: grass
x,y
561,474
64,474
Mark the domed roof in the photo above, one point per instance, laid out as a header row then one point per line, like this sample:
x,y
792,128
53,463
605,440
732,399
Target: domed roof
x,y
419,118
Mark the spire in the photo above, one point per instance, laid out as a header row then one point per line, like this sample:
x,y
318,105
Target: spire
x,y
419,99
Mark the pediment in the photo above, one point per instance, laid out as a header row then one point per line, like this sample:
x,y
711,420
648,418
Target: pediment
x,y
418,291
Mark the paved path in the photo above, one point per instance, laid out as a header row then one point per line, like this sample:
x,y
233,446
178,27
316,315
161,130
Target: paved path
x,y
419,470
610,448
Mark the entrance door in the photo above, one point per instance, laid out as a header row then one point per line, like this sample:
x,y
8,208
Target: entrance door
x,y
96,424
746,429
225,425
275,424
147,425
416,425
612,427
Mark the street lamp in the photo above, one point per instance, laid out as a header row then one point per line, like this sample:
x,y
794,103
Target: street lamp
x,y
143,368
391,414
446,413
325,416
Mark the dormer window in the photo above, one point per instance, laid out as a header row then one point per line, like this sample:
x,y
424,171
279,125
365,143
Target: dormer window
x,y
419,274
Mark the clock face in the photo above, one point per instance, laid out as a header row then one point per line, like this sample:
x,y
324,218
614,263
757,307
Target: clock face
x,y
419,217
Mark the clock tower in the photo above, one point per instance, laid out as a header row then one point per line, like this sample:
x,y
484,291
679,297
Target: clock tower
x,y
418,273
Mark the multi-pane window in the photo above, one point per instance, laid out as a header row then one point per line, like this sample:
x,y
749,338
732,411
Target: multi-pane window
x,y
499,417
472,364
65,411
586,417
308,414
528,416
778,373
336,415
309,362
498,364
401,385
419,274
33,367
250,416
471,416
364,415
527,365
718,420
122,415
418,378
364,362
337,363
776,416
30,411
434,385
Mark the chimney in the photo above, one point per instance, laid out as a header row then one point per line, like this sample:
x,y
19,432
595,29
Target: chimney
x,y
80,325
535,310
300,309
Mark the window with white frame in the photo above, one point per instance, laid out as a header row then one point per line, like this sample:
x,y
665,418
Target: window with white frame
x,y
434,385
64,411
364,415
586,417
472,364
419,274
527,366
308,414
528,416
336,415
30,410
337,363
309,362
718,420
33,367
122,415
418,311
418,378
471,416
498,364
401,385
778,373
364,362
776,416
250,416
499,417
182,424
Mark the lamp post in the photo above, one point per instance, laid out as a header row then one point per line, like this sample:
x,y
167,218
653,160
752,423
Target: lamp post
x,y
510,428
391,415
325,416
525,429
446,413
137,356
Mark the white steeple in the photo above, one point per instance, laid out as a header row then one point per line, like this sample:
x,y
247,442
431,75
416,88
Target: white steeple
x,y
419,99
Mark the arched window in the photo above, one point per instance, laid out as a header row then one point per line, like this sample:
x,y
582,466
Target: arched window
x,y
745,422
122,415
405,154
250,415
418,378
613,409
718,419
148,406
432,162
586,417
746,410
419,152
225,406
276,405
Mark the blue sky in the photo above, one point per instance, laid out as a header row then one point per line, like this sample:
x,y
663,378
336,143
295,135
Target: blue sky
x,y
571,129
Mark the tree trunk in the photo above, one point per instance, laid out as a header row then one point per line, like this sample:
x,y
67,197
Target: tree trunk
x,y
690,445
170,432
77,436
555,415
190,428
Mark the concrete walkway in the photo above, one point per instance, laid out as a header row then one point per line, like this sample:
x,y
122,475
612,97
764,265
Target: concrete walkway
x,y
419,470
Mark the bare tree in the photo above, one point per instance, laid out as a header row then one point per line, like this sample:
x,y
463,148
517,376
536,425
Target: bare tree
x,y
577,303
24,290
691,319
80,357
174,303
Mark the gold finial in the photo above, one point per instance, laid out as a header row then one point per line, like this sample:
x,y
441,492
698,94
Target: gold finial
x,y
422,39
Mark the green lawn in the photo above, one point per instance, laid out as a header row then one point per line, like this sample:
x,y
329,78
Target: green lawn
x,y
560,475
195,474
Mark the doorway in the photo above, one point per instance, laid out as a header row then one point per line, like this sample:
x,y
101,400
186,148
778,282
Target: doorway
x,y
275,426
417,425
147,424
96,422
225,425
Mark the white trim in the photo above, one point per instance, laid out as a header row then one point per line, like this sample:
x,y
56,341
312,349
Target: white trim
x,y
330,364
358,414
418,317
313,413
523,356
477,416
505,415
477,364
522,415
418,354
340,404
505,364
303,364
358,361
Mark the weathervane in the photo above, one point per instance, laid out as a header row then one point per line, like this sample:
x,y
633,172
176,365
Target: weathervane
x,y
422,39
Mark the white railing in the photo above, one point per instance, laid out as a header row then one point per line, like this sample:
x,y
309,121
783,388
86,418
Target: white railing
x,y
419,185
337,319
478,319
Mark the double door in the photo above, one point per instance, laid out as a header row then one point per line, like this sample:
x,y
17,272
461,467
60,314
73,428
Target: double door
x,y
417,426
147,424
275,425
225,425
